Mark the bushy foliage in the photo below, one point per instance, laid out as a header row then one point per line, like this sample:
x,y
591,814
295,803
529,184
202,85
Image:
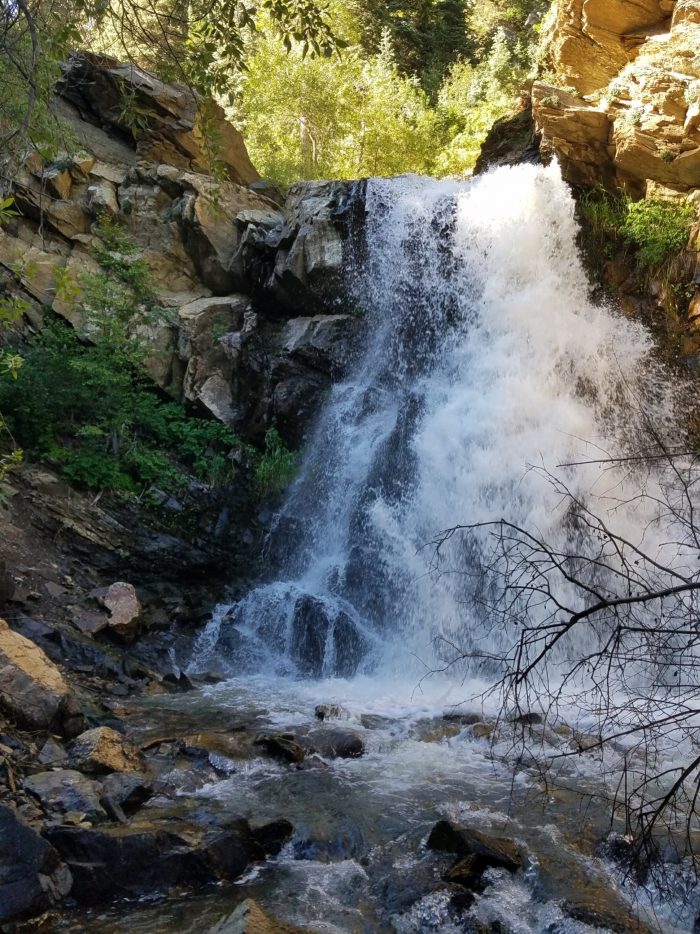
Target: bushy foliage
x,y
657,229
365,115
276,467
87,406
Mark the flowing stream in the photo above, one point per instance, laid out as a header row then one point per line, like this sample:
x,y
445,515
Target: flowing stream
x,y
485,363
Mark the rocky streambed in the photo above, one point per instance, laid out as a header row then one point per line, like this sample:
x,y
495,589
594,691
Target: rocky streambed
x,y
367,812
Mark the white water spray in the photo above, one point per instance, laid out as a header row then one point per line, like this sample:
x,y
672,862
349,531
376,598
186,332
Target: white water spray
x,y
485,357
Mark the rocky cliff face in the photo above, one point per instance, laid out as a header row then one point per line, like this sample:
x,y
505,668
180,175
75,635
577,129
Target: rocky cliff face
x,y
257,323
623,108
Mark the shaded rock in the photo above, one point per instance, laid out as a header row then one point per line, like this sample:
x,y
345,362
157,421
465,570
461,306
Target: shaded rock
x,y
66,790
33,692
510,141
124,608
7,587
134,861
249,918
103,749
32,876
465,719
128,790
465,841
272,837
337,743
314,624
282,746
528,719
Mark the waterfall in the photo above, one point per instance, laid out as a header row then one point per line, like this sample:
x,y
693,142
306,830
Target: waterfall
x,y
485,357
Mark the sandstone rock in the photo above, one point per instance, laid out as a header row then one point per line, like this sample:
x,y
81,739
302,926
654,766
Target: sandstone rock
x,y
33,692
102,197
124,608
102,749
249,918
96,84
465,841
32,876
66,790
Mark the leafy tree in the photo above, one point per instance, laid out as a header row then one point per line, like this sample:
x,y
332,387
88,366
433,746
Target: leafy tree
x,y
333,119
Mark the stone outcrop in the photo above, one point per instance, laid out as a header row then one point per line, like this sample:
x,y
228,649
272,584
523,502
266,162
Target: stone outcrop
x,y
246,280
625,109
103,749
33,692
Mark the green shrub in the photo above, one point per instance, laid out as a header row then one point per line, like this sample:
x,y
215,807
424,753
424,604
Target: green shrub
x,y
276,467
657,229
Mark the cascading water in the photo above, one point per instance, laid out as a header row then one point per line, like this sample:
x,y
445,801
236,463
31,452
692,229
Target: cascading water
x,y
485,356
484,359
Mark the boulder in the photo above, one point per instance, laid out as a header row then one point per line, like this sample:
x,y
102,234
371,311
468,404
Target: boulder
x,y
337,743
33,692
124,608
315,624
130,862
32,876
65,791
498,852
283,746
127,790
272,837
102,750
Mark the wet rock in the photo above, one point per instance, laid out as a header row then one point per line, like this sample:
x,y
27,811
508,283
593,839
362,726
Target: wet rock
x,y
32,876
127,790
374,721
527,719
465,719
282,746
337,743
249,918
331,712
315,623
128,862
584,742
435,730
272,837
65,791
483,730
121,601
33,692
103,749
498,852
238,746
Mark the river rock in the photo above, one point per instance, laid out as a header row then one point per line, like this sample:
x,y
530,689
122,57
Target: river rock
x,y
65,791
129,862
33,692
337,743
315,622
127,790
271,837
249,918
331,712
103,749
499,852
282,746
32,876
124,608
